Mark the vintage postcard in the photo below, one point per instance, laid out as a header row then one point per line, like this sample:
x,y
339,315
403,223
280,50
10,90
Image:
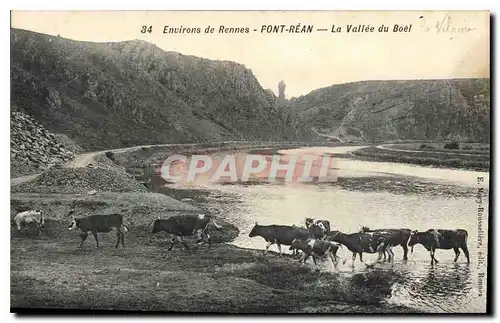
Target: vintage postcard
x,y
257,162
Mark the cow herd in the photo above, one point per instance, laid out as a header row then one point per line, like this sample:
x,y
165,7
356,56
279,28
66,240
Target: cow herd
x,y
315,239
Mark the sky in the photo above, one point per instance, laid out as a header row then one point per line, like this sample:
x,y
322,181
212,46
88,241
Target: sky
x,y
453,44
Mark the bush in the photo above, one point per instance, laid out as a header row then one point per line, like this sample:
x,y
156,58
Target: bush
x,y
110,155
452,145
424,146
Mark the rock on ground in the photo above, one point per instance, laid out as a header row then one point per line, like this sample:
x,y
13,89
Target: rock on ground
x,y
33,148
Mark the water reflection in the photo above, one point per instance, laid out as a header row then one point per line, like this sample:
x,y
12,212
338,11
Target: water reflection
x,y
446,287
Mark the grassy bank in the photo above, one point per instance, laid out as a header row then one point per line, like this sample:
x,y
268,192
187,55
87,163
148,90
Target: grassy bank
x,y
51,272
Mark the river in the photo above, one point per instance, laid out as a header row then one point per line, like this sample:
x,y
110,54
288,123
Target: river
x,y
445,287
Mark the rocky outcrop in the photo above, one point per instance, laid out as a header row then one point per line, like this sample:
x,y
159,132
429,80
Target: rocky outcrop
x,y
32,147
457,109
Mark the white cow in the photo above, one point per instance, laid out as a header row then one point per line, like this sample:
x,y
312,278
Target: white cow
x,y
22,219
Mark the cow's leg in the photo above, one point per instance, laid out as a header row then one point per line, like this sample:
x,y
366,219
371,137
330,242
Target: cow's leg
x,y
269,243
200,235
123,239
184,243
434,256
457,253
94,233
333,258
391,255
279,248
466,253
83,236
306,256
353,259
118,238
172,242
405,252
209,239
314,259
433,259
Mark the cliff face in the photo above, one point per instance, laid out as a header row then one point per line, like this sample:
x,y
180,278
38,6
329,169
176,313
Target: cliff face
x,y
391,110
107,95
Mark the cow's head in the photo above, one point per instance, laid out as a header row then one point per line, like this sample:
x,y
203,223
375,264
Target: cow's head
x,y
309,222
364,229
157,226
73,225
253,233
41,217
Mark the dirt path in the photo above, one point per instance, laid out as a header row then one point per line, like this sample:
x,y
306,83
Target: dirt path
x,y
83,160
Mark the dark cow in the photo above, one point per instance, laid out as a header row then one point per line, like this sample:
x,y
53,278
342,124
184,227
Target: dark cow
x,y
184,226
394,237
279,234
441,239
325,223
361,242
316,248
99,223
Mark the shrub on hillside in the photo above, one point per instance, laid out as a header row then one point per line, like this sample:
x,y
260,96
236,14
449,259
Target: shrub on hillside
x,y
110,155
452,145
425,146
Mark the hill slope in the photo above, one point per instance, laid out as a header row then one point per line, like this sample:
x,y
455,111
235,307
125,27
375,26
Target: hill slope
x,y
109,95
390,110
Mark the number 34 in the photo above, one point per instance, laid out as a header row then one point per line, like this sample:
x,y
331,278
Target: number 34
x,y
146,29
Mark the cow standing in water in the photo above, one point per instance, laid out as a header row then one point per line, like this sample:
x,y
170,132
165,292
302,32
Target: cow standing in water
x,y
441,239
22,219
184,226
279,234
393,237
316,248
361,242
99,223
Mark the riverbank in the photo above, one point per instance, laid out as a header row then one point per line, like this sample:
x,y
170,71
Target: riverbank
x,y
51,272
446,158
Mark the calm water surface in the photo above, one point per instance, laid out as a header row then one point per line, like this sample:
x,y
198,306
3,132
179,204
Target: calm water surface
x,y
446,287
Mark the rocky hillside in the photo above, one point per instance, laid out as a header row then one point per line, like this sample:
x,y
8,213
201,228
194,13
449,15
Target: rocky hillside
x,y
408,110
32,147
109,95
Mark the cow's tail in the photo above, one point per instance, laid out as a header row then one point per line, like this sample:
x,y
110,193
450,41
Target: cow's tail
x,y
466,235
216,225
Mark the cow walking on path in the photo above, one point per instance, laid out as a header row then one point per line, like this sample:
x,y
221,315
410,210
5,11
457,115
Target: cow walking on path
x,y
99,223
184,226
394,237
441,239
22,219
